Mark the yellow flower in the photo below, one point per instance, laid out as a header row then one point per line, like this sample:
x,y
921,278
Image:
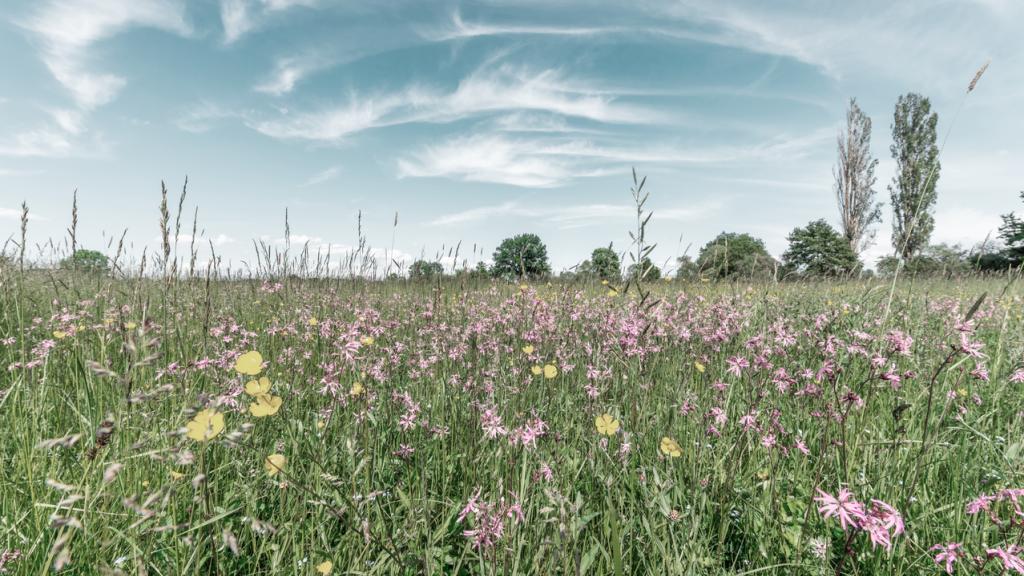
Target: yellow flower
x,y
613,292
367,340
313,321
523,287
606,425
550,371
320,424
325,567
175,475
60,334
258,388
250,363
130,325
274,463
536,370
961,392
604,282
700,367
265,405
670,448
528,349
357,389
205,425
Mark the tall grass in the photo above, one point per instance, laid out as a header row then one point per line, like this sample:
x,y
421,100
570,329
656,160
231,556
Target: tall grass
x,y
101,375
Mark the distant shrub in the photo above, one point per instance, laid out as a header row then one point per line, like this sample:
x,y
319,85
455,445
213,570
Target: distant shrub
x,y
732,255
86,261
424,270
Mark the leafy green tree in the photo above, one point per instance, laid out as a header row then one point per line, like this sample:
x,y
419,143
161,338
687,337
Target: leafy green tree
x,y
1012,235
733,255
86,261
917,171
686,268
650,272
934,260
424,270
817,250
605,264
521,256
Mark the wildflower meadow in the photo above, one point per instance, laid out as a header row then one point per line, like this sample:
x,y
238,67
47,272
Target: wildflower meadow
x,y
342,426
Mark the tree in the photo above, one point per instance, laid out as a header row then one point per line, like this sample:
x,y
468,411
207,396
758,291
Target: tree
x,y
1012,235
604,264
934,260
521,256
731,255
86,261
424,270
818,250
651,273
686,268
917,171
855,180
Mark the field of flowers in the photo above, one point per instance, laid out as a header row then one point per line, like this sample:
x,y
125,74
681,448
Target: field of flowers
x,y
349,427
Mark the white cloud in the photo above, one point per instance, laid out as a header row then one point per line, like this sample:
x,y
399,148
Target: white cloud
x,y
547,162
68,28
43,142
322,176
239,17
459,29
201,117
503,88
288,72
234,17
573,216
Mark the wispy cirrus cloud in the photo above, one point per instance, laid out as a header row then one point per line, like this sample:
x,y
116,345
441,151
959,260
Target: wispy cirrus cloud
x,y
239,17
553,161
289,71
501,89
458,28
572,216
323,176
67,29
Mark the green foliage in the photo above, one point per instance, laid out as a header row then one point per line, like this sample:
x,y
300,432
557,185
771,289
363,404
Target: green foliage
x,y
817,250
521,256
86,261
604,264
917,171
424,270
733,255
686,268
934,260
1012,235
649,270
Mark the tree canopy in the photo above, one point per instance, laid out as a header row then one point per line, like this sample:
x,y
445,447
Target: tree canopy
x,y
817,250
521,256
734,255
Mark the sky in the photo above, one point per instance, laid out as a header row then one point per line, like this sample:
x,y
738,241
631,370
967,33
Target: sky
x,y
475,121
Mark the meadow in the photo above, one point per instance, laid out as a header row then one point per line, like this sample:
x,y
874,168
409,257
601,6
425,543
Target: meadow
x,y
344,426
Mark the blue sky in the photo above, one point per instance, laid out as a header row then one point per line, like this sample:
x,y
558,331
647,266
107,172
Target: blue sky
x,y
475,121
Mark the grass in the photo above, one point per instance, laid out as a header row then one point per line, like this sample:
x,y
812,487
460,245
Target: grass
x,y
376,476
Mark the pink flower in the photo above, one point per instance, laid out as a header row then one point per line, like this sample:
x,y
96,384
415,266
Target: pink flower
x,y
947,554
849,511
1009,556
736,365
